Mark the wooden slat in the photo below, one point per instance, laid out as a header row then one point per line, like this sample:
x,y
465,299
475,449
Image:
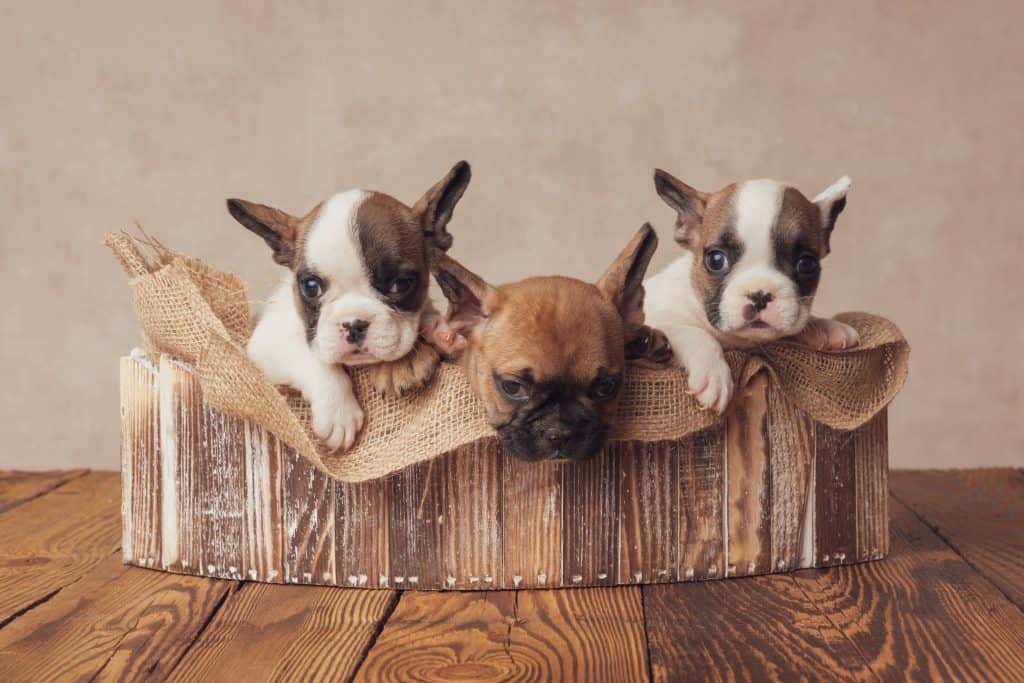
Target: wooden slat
x,y
286,633
116,623
791,444
871,470
922,614
531,511
978,512
590,520
263,509
762,628
49,542
749,489
361,533
701,539
18,487
183,438
414,525
140,462
649,532
308,536
472,529
588,634
835,514
221,495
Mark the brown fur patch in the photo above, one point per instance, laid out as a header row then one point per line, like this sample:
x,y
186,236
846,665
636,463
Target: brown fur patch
x,y
407,374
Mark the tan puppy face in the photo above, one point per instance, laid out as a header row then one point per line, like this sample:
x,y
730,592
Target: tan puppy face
x,y
757,247
546,355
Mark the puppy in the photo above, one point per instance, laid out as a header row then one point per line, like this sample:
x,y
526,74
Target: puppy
x,y
355,293
749,275
546,355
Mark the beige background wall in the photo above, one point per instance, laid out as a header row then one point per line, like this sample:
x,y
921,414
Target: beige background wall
x,y
111,113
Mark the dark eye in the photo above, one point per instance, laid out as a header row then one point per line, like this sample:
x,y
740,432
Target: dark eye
x,y
716,261
513,388
311,286
604,388
401,286
807,266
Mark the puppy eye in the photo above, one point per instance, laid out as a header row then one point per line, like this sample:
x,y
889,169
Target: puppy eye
x,y
401,286
513,388
807,265
716,261
604,388
311,287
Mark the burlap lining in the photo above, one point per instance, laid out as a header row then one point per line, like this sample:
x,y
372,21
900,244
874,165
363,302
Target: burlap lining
x,y
200,315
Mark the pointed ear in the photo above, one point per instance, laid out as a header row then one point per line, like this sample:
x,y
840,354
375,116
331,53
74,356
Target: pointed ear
x,y
277,228
438,204
688,203
467,293
831,203
623,282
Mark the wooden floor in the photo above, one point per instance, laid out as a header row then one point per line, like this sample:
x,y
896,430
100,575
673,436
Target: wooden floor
x,y
948,604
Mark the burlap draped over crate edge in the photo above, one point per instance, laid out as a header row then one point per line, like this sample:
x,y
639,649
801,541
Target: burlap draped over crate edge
x,y
200,315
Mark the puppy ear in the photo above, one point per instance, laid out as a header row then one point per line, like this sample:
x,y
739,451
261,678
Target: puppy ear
x,y
831,203
623,282
467,292
688,203
438,204
277,228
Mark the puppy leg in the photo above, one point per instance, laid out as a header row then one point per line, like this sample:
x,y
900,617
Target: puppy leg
x,y
826,334
649,348
409,373
436,331
708,375
337,415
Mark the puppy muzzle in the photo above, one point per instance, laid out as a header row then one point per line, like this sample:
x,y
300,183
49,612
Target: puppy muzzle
x,y
565,430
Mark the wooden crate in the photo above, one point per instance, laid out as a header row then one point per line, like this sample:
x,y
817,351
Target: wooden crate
x,y
766,490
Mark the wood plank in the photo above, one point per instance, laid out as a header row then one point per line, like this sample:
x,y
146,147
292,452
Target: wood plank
x,y
835,514
586,634
978,512
18,487
749,543
181,458
762,628
415,517
871,471
472,529
531,510
649,531
221,495
308,503
280,633
922,614
361,533
791,444
51,541
701,490
140,462
263,510
116,623
590,519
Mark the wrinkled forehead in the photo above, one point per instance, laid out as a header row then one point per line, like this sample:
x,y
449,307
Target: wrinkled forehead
x,y
558,328
762,215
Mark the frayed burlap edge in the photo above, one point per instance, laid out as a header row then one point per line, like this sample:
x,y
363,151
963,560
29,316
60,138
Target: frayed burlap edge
x,y
200,315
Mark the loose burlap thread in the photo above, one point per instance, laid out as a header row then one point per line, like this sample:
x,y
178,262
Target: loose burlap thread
x,y
200,315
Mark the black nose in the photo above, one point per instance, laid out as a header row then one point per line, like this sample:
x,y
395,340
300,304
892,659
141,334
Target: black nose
x,y
356,330
557,435
760,299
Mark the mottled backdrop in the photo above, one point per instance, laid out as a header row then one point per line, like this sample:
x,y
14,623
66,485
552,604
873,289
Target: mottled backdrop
x,y
117,111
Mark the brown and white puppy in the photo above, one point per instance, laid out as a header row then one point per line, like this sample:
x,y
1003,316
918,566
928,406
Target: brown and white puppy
x,y
749,275
356,292
546,355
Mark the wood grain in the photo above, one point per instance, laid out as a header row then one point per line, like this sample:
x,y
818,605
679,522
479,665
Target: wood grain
x,y
309,516
922,614
472,530
590,520
19,487
263,508
791,444
978,512
835,514
361,534
51,541
531,512
140,462
871,472
287,633
588,634
749,488
648,527
221,495
701,491
116,623
414,525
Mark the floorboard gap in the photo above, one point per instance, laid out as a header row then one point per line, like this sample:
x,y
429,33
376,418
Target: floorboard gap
x,y
647,638
376,634
7,507
206,623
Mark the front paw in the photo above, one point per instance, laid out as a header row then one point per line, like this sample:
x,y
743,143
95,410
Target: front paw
x,y
438,333
826,334
337,420
649,348
710,379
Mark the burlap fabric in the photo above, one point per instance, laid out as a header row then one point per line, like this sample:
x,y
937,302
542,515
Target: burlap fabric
x,y
200,315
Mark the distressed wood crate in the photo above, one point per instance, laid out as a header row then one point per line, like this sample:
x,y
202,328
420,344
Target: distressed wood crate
x,y
765,490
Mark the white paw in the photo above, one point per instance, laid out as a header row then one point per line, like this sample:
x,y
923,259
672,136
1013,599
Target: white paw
x,y
710,379
439,334
337,420
826,334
